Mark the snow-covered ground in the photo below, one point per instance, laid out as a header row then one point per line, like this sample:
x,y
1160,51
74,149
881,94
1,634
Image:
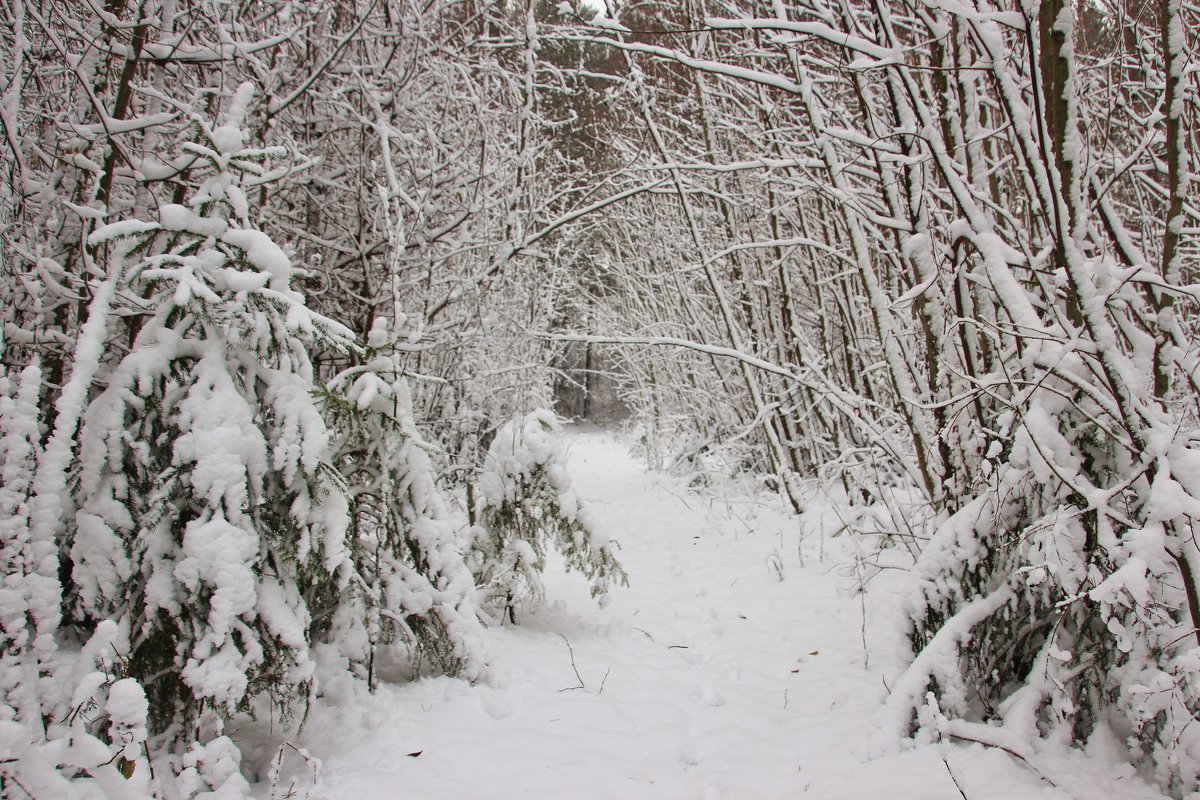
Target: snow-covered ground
x,y
725,670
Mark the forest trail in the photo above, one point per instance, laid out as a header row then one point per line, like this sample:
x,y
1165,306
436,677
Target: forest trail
x,y
710,676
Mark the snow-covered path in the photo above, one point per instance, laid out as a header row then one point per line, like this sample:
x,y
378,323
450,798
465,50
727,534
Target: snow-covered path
x,y
709,677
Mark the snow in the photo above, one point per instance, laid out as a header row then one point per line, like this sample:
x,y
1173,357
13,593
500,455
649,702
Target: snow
x,y
216,554
263,254
725,670
213,766
175,217
219,439
120,230
610,25
238,107
127,708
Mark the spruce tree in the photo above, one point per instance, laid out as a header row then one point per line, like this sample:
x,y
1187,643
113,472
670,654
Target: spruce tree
x,y
414,593
208,512
526,505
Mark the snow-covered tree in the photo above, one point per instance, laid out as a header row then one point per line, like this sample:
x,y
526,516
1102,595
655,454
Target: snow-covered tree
x,y
18,461
413,590
525,506
208,511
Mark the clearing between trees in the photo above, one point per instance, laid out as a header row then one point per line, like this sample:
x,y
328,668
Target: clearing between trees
x,y
725,670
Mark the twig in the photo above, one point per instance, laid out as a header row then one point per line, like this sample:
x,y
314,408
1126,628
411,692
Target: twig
x,y
1006,749
574,669
293,789
11,778
957,785
862,595
774,562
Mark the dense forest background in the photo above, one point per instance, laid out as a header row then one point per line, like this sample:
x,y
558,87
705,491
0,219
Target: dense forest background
x,y
284,284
